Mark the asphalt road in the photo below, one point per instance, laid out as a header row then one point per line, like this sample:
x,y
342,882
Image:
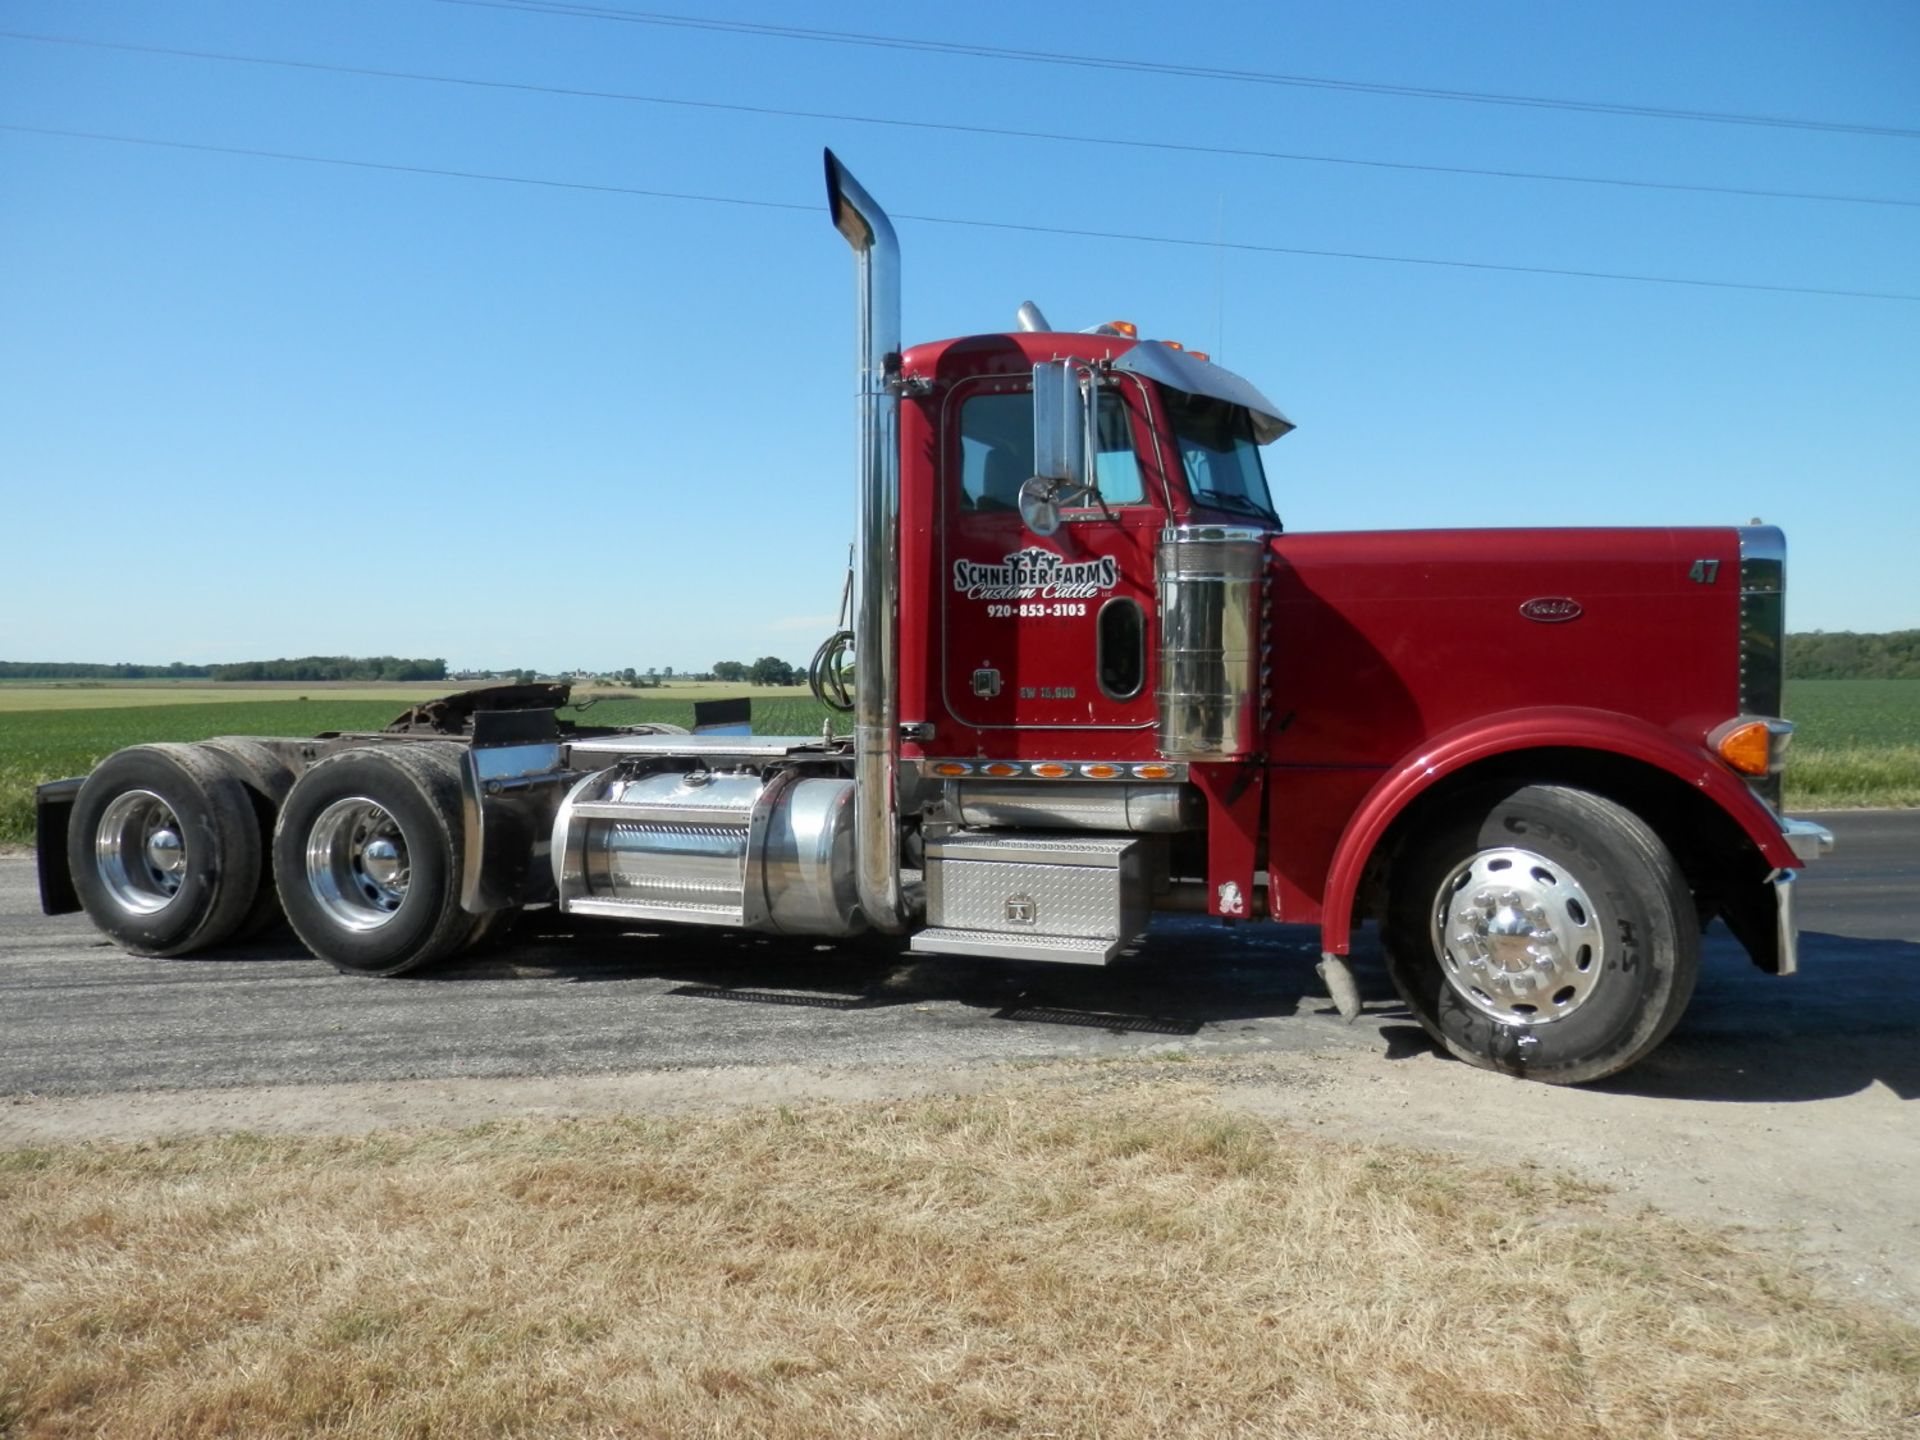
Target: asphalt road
x,y
77,1016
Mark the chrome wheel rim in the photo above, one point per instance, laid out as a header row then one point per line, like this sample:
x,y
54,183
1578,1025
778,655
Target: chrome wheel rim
x,y
140,849
357,865
1517,937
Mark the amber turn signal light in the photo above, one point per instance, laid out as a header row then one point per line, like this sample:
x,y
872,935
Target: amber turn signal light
x,y
1752,746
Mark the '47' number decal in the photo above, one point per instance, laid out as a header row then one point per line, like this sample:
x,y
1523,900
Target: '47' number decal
x,y
1704,572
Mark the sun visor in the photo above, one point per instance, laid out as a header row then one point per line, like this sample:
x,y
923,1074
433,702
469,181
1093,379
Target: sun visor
x,y
1163,365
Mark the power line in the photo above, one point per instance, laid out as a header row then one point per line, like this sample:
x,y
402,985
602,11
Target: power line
x,y
952,127
1073,232
399,169
1201,72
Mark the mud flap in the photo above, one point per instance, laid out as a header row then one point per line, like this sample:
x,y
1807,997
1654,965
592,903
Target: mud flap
x,y
1761,917
52,810
1337,975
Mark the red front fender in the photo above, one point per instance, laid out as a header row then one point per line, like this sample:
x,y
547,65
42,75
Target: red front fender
x,y
1557,727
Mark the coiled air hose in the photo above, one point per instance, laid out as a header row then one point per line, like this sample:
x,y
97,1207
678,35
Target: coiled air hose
x,y
827,671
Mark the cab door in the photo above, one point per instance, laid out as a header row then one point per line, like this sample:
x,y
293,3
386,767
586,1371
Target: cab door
x,y
1046,633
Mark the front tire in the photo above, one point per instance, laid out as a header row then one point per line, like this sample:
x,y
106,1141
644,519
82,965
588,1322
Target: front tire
x,y
164,849
1542,931
367,857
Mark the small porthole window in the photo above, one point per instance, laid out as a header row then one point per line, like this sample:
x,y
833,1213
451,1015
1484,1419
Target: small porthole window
x,y
1122,640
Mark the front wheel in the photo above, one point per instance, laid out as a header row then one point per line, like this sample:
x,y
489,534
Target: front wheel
x,y
1542,931
367,857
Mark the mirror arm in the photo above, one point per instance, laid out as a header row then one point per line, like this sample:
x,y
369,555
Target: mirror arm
x,y
1091,409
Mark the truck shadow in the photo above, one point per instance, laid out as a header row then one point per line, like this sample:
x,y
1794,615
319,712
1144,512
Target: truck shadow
x,y
1851,1017
1186,975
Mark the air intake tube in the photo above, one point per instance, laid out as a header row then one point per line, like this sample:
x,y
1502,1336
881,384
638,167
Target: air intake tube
x,y
876,714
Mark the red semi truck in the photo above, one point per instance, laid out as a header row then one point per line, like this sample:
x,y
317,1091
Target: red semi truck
x,y
1094,680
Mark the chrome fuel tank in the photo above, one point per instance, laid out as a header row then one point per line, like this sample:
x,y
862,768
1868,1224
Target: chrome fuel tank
x,y
761,852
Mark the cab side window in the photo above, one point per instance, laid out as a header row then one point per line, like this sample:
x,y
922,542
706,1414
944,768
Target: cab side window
x,y
996,452
1115,467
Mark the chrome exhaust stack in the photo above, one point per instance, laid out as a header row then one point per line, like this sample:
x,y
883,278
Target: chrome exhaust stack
x,y
876,714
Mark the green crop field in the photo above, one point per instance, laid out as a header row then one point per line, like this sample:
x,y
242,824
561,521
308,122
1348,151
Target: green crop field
x,y
1858,741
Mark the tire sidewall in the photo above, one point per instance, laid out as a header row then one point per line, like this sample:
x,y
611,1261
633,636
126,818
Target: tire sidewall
x,y
407,938
1646,967
267,780
216,824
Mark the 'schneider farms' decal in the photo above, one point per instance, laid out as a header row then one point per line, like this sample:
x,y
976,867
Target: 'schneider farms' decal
x,y
1035,574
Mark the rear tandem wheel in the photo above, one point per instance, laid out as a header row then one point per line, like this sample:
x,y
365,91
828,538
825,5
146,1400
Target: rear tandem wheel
x,y
165,850
367,857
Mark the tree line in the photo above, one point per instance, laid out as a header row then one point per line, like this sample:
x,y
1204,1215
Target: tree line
x,y
1844,655
767,670
307,667
334,667
66,670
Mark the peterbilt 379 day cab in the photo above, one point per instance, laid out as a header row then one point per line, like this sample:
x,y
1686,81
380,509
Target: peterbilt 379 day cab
x,y
1095,681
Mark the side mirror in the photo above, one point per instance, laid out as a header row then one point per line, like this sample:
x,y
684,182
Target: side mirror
x,y
1059,425
1040,505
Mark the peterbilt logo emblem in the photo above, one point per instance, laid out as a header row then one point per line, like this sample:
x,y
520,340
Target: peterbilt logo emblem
x,y
1035,574
1552,609
1021,910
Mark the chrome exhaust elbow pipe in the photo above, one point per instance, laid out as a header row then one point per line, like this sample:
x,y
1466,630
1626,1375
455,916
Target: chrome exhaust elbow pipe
x,y
1029,318
876,623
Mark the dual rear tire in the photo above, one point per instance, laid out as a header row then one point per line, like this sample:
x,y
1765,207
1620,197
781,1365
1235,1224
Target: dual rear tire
x,y
367,857
165,849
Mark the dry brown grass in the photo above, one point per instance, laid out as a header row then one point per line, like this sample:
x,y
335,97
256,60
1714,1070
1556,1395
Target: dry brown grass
x,y
1044,1261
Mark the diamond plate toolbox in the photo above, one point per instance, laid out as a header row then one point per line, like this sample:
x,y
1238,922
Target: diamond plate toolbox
x,y
1024,894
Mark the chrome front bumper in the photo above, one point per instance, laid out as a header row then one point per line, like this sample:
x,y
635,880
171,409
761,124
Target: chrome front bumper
x,y
1806,839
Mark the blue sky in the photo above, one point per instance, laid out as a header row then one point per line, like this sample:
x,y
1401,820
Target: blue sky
x,y
255,407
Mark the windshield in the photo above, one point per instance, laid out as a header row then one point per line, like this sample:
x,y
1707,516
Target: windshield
x,y
1218,453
